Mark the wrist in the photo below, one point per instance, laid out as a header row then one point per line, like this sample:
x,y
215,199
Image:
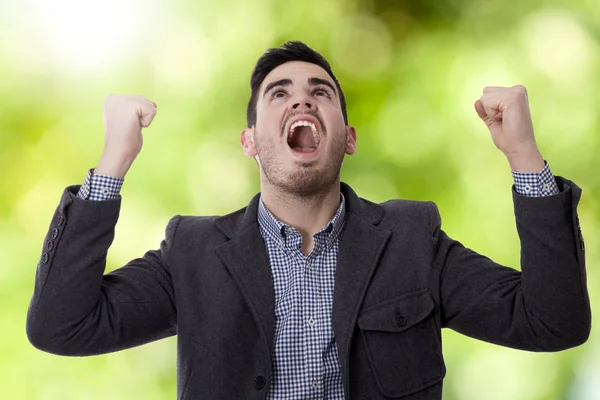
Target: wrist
x,y
531,162
114,166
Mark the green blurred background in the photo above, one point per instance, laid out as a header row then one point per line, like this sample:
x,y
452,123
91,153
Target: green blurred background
x,y
411,71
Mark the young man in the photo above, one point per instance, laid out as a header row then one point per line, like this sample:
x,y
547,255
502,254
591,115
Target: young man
x,y
310,292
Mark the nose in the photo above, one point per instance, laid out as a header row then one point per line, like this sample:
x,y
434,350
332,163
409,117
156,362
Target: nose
x,y
303,102
299,106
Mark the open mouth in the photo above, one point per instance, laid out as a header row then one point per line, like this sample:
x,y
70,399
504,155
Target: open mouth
x,y
303,137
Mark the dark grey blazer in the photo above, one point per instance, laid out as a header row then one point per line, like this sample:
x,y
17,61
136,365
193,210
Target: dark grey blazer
x,y
399,280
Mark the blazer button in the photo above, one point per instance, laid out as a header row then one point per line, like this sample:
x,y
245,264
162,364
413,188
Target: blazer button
x,y
400,319
54,233
45,257
49,245
60,220
259,382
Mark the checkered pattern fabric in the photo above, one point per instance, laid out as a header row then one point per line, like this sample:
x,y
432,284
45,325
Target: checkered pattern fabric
x,y
306,363
100,187
536,184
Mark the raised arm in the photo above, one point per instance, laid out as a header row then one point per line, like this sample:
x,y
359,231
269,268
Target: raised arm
x,y
76,309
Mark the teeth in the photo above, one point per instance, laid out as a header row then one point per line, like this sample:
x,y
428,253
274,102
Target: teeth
x,y
306,123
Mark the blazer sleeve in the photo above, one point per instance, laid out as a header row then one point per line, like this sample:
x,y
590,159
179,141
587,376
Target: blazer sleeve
x,y
76,309
545,307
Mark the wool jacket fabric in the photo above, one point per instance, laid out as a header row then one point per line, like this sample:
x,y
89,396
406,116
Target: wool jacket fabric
x,y
399,280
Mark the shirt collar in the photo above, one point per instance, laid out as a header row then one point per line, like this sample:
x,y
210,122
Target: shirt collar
x,y
276,229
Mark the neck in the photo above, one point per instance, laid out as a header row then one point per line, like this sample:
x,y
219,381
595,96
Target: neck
x,y
308,213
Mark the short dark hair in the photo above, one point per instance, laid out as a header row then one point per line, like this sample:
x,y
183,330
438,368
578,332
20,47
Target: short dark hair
x,y
274,57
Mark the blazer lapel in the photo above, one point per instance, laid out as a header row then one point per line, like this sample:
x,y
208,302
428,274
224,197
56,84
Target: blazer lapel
x,y
246,258
361,246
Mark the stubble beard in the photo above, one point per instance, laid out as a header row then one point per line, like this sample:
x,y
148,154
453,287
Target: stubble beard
x,y
305,179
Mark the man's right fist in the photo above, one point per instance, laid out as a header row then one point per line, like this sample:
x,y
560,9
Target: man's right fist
x,y
124,118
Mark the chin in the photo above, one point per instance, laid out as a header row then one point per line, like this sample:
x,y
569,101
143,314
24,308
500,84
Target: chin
x,y
308,180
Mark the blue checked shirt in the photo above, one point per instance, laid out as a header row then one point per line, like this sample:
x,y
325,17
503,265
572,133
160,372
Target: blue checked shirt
x,y
306,363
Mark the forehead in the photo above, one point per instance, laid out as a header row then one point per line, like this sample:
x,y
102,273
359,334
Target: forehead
x,y
298,71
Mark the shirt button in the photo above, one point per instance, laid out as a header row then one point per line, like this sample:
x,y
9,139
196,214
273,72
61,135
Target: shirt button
x,y
527,188
311,321
104,191
316,384
308,265
281,244
546,187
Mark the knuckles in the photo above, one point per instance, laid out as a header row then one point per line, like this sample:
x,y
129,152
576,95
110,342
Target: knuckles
x,y
517,93
520,89
513,89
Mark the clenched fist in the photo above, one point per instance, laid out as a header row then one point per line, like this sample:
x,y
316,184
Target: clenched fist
x,y
124,118
505,111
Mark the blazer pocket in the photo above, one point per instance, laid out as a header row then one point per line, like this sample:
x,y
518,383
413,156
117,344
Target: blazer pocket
x,y
402,343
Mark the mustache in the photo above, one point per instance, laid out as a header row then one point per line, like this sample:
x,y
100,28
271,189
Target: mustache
x,y
311,113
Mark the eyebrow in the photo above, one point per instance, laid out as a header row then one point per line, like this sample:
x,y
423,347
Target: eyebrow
x,y
288,82
319,81
281,82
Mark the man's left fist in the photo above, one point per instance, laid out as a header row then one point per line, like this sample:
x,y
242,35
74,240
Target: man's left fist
x,y
505,111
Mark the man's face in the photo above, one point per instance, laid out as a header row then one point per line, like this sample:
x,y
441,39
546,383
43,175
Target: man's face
x,y
300,137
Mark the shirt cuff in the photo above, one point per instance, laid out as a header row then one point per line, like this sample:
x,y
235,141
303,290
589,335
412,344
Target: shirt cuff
x,y
536,184
100,187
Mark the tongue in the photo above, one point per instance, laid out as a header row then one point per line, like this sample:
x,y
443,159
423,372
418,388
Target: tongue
x,y
302,140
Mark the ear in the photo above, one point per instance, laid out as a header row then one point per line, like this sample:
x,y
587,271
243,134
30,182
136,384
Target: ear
x,y
247,141
350,140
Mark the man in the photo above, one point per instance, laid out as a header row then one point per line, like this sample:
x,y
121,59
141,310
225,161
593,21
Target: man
x,y
310,292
